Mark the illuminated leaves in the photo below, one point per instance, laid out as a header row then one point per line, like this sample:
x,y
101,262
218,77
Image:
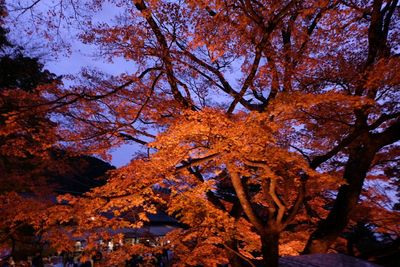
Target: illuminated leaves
x,y
261,105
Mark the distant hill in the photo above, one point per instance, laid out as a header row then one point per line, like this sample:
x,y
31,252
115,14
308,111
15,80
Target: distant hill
x,y
59,172
80,174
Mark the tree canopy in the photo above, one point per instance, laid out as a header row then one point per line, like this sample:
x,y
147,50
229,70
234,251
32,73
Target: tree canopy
x,y
264,122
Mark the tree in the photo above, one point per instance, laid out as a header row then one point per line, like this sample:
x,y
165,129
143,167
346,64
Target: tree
x,y
32,167
26,133
314,98
373,127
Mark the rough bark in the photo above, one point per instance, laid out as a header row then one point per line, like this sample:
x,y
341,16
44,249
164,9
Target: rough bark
x,y
232,254
270,248
359,162
269,232
364,149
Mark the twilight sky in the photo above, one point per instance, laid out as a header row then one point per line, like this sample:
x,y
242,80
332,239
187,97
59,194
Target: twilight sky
x,y
63,63
80,55
83,56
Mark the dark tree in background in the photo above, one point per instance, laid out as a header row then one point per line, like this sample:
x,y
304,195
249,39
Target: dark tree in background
x,y
26,131
33,169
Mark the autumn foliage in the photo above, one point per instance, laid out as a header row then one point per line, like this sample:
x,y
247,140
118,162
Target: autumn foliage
x,y
268,127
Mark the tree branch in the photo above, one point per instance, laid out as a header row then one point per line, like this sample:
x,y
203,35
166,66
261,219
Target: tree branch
x,y
383,118
226,87
239,254
166,57
251,75
389,136
278,202
131,138
299,200
195,162
244,201
318,160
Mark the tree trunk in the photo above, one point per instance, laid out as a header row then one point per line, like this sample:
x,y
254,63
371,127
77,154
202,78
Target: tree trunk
x,y
13,245
234,259
270,248
358,164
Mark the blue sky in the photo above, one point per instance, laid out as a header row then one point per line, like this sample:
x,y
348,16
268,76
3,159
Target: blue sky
x,y
80,55
83,56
